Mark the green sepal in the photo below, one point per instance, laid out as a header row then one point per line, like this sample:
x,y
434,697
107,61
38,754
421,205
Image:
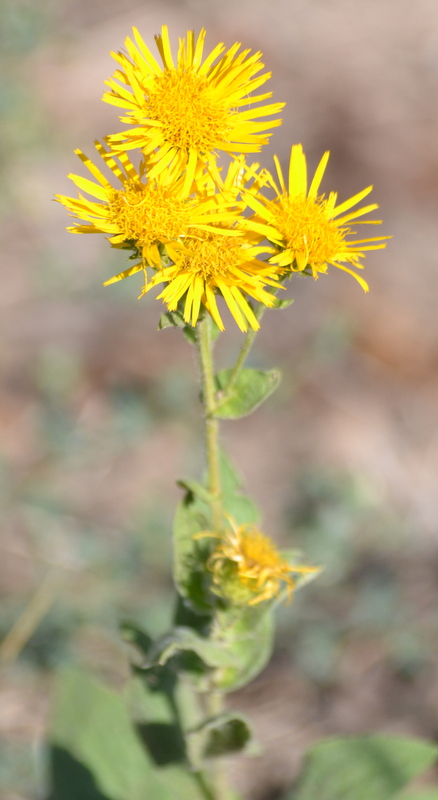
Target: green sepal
x,y
362,767
251,388
218,736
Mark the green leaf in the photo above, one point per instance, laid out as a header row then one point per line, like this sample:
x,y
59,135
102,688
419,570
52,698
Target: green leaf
x,y
163,711
214,330
212,653
236,504
250,389
240,649
362,768
420,794
247,634
228,734
70,779
218,736
174,319
171,319
192,516
282,303
93,730
190,334
196,489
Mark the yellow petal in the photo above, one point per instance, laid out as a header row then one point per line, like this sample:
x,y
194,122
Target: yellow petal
x,y
297,171
352,201
318,176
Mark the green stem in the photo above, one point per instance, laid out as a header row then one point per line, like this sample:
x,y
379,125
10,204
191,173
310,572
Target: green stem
x,y
244,350
211,423
204,786
215,704
214,698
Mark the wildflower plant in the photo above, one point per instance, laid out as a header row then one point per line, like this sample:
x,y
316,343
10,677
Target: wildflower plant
x,y
209,236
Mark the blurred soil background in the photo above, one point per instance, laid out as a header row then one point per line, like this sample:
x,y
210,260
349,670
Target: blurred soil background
x,y
99,413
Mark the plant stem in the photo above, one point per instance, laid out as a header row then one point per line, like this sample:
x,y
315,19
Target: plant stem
x,y
215,703
214,699
211,423
244,350
204,786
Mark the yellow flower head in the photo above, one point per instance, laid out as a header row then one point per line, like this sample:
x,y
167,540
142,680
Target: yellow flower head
x,y
142,214
221,259
248,569
187,110
198,232
309,229
210,263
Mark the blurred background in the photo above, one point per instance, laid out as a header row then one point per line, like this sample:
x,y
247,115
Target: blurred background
x,y
99,413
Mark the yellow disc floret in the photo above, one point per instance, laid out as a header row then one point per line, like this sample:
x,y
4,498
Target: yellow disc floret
x,y
183,102
147,213
308,233
211,256
216,263
182,111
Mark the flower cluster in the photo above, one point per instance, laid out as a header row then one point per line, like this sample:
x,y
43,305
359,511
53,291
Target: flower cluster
x,y
201,229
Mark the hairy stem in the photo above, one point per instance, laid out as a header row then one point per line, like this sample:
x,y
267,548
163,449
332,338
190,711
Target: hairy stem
x,y
211,423
214,699
244,350
215,704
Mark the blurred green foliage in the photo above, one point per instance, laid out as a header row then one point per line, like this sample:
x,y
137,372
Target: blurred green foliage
x,y
340,522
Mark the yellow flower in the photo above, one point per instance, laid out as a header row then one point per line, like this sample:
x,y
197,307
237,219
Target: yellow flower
x,y
198,232
142,215
187,110
309,229
211,263
248,569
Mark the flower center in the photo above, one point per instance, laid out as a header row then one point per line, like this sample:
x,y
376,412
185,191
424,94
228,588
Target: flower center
x,y
147,213
212,255
307,229
258,553
191,116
